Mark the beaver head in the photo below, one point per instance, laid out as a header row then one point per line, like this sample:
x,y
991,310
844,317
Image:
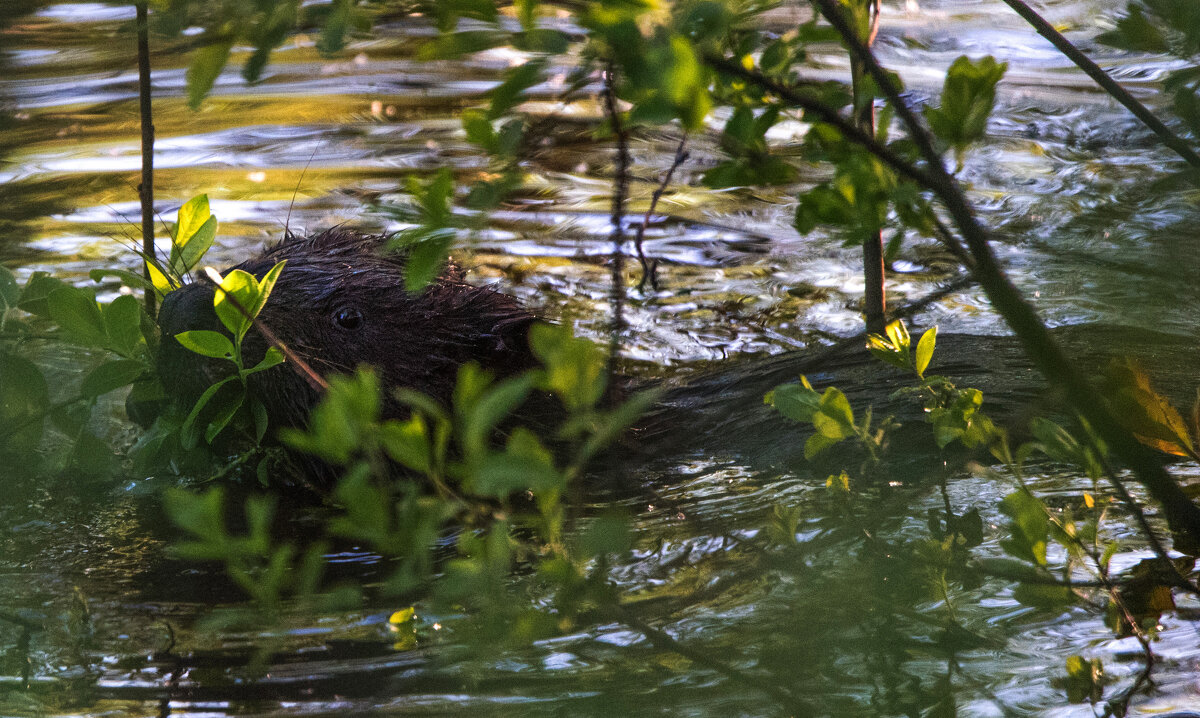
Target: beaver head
x,y
341,303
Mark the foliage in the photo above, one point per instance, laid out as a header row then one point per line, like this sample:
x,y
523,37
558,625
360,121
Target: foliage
x,y
406,482
1035,532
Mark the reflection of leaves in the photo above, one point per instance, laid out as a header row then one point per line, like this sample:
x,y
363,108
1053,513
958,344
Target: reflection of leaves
x,y
1085,679
206,66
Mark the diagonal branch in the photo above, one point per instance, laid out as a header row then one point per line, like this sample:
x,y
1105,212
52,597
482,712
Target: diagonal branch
x,y
1105,81
1182,515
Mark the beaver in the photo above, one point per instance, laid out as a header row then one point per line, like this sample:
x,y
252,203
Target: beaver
x,y
341,303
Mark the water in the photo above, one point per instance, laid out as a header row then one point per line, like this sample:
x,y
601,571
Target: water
x,y
1091,218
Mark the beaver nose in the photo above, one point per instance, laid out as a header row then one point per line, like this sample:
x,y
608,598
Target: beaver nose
x,y
187,309
184,374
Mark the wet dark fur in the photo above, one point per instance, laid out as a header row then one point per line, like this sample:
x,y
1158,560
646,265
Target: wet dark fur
x,y
419,342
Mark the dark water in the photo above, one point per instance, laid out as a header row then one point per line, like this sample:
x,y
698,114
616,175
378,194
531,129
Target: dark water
x,y
1092,219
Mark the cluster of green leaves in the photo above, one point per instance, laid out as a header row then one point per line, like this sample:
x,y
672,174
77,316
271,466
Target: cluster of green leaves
x,y
428,243
238,299
126,336
864,196
119,330
1134,603
406,482
953,412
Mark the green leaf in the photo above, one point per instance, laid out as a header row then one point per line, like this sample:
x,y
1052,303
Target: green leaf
x,y
24,398
193,249
273,357
161,282
525,464
408,443
1041,595
816,444
345,422
207,343
242,297
835,420
123,324
605,535
968,96
925,351
337,22
201,515
610,425
1085,679
36,293
1030,527
479,130
798,402
527,13
574,366
223,417
517,80
367,506
111,375
187,431
206,66
897,334
482,417
1135,32
544,40
190,218
427,258
453,45
10,291
76,311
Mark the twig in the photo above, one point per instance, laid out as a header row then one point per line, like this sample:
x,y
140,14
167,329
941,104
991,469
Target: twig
x,y
146,188
874,278
1104,80
620,190
1182,515
649,269
301,367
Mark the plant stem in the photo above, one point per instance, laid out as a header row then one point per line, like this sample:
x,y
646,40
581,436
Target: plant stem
x,y
874,288
146,188
648,268
620,190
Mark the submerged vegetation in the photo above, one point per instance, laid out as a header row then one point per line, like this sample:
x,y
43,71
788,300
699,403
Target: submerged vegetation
x,y
476,512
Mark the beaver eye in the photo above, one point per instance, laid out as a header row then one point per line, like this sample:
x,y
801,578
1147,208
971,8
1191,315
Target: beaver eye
x,y
348,318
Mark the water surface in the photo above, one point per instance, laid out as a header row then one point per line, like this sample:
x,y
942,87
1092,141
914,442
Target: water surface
x,y
1091,217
